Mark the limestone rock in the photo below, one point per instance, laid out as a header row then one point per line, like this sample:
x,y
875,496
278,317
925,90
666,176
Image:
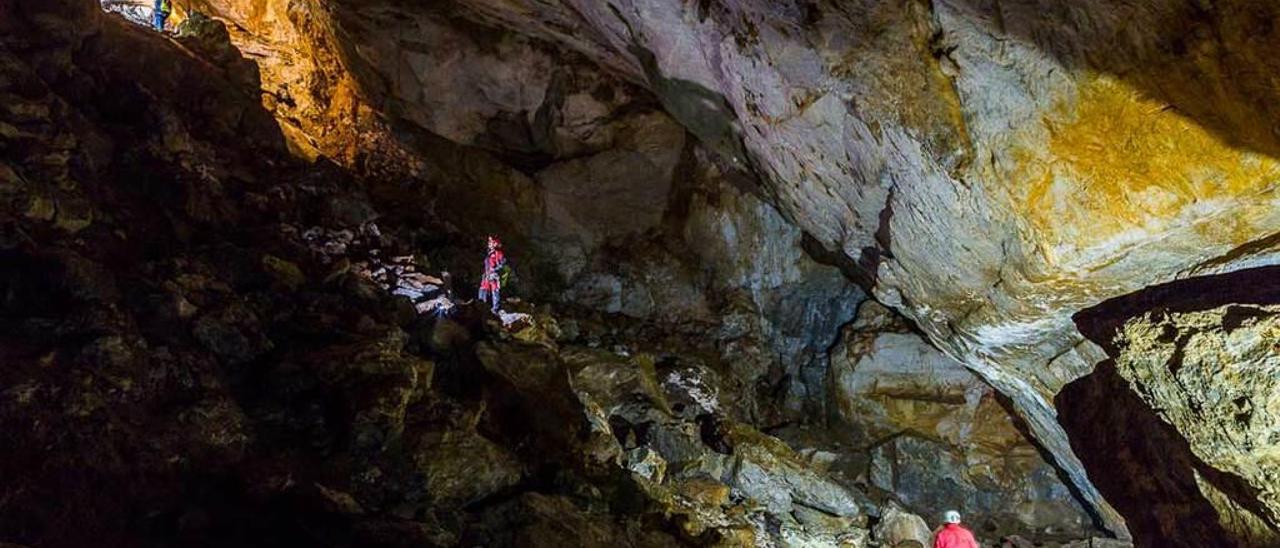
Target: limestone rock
x,y
1006,493
950,149
768,471
923,126
647,463
939,438
463,467
719,475
619,191
900,529
1212,374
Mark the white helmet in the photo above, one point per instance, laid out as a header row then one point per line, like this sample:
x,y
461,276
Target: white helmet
x,y
951,516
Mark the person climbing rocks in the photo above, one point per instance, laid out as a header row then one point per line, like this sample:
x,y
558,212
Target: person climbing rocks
x,y
952,534
495,264
160,13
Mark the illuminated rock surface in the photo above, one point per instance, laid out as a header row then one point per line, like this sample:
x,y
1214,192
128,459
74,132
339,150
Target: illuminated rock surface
x,y
1189,391
991,168
930,432
712,186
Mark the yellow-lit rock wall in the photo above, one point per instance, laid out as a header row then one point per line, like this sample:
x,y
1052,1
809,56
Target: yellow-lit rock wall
x,y
1119,169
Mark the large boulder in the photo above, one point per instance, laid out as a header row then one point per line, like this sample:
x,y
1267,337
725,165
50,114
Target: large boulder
x,y
768,471
900,529
1186,399
1212,375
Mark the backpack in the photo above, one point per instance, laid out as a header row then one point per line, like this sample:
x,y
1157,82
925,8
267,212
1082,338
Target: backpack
x,y
505,274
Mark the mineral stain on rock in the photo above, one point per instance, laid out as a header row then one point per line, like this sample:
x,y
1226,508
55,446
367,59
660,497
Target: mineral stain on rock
x,y
1119,163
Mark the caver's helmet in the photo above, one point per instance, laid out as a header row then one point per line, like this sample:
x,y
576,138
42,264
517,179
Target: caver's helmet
x,y
494,242
951,516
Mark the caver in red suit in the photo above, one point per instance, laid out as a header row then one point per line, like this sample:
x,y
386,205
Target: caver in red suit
x,y
953,535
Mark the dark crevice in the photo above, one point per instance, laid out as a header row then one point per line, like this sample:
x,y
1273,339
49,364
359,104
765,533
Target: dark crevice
x,y
1179,354
851,269
1099,522
1236,316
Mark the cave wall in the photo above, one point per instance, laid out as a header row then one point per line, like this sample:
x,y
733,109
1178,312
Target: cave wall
x,y
1027,136
919,426
184,365
604,199
991,167
988,169
972,113
1185,453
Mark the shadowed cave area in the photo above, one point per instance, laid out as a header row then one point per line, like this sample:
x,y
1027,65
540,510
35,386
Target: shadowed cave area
x,y
796,273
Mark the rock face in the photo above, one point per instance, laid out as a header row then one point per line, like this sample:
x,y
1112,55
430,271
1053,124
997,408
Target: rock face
x,y
973,116
1213,375
606,199
937,438
683,449
1187,379
898,529
1138,458
986,168
193,356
